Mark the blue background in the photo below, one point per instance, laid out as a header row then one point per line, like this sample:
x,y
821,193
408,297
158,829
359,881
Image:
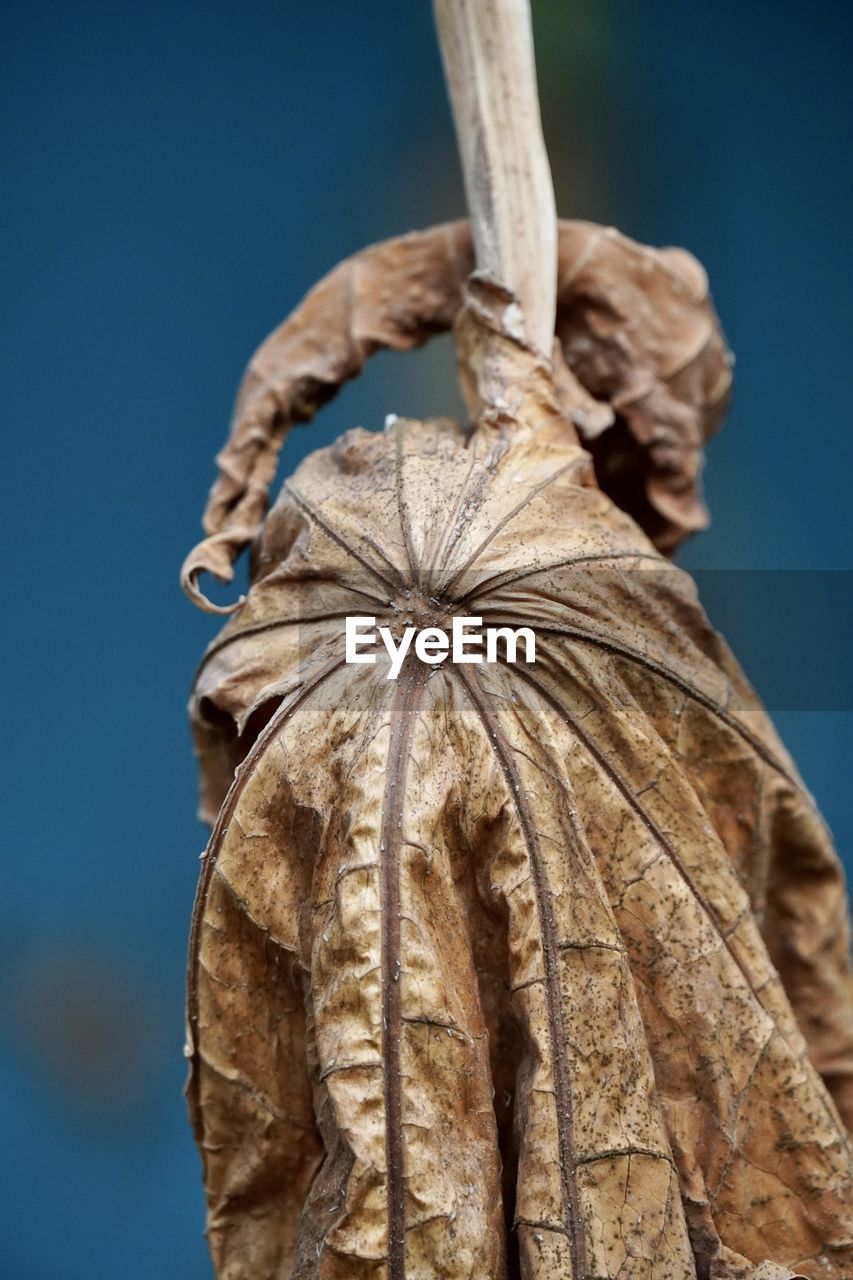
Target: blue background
x,y
174,177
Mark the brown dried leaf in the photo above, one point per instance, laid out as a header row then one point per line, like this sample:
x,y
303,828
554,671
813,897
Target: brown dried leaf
x,y
482,968
647,374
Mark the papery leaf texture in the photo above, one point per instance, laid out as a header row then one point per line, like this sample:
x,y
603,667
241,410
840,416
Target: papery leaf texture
x,y
522,969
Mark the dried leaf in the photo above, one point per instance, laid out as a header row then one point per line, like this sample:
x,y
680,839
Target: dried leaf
x,y
647,374
481,977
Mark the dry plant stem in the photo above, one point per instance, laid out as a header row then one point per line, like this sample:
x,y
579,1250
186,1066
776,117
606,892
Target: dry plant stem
x,y
487,48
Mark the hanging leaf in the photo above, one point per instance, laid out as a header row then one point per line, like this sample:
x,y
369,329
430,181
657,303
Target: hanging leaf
x,y
529,969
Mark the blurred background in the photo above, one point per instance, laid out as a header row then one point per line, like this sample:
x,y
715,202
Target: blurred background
x,y
174,177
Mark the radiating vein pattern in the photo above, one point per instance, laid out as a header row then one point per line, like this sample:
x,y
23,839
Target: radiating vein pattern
x,y
516,972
